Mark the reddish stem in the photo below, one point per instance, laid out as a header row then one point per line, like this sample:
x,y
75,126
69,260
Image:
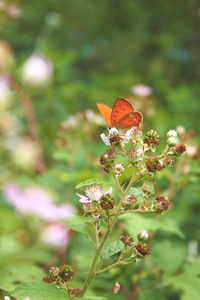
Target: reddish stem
x,y
32,123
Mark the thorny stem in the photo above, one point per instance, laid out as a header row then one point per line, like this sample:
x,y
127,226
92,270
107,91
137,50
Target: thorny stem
x,y
99,248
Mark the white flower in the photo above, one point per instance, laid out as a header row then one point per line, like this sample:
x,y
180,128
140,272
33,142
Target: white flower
x,y
106,139
94,192
37,70
141,90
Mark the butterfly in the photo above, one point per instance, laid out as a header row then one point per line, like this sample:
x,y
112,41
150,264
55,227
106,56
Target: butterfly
x,y
121,116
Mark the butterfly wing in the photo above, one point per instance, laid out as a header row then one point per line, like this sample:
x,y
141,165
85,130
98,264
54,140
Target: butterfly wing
x,y
132,119
121,108
105,111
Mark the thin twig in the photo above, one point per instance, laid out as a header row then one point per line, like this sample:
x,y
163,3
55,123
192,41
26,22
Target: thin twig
x,y
32,123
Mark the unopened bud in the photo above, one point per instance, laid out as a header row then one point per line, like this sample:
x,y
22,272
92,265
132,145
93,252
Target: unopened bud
x,y
127,240
179,149
171,141
142,235
172,133
129,201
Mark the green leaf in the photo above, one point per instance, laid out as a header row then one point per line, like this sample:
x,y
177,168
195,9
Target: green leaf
x,y
137,192
113,250
188,282
168,255
169,225
77,223
93,181
13,274
38,290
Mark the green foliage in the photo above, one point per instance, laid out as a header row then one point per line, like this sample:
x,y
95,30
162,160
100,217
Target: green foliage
x,y
188,282
112,251
92,182
98,53
38,290
77,223
138,221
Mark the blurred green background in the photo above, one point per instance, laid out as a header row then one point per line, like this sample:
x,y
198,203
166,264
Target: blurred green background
x,y
95,51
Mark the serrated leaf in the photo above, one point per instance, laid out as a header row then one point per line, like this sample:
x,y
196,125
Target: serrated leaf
x,y
93,181
113,250
77,223
38,290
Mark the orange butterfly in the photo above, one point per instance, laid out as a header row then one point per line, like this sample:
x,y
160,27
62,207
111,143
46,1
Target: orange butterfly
x,y
122,116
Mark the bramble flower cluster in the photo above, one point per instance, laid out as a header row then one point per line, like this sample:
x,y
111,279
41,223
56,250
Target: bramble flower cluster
x,y
104,208
58,275
135,152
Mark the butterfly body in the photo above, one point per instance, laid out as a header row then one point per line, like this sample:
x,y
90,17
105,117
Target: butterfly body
x,y
122,116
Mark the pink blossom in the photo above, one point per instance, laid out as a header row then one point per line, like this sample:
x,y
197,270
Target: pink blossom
x,y
94,192
141,90
37,70
55,235
36,201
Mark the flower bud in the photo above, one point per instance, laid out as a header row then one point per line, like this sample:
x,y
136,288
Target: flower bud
x,y
54,272
118,169
179,149
88,208
129,201
154,164
116,139
107,159
143,249
142,235
172,133
160,204
75,293
127,240
66,272
171,141
151,137
135,154
116,288
107,202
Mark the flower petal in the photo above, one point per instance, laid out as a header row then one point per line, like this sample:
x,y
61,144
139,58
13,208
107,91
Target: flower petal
x,y
83,199
109,191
